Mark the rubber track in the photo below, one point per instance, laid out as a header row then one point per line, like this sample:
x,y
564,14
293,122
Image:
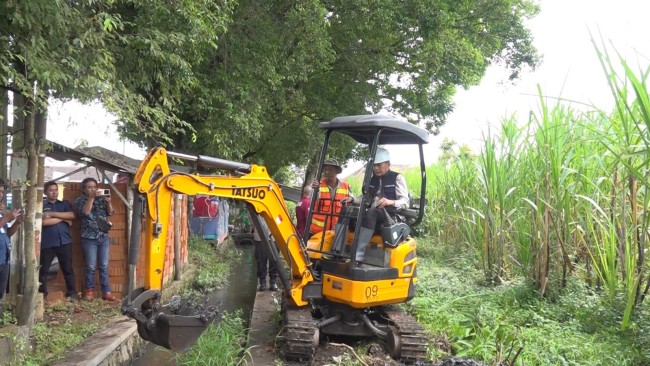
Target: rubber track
x,y
299,331
413,338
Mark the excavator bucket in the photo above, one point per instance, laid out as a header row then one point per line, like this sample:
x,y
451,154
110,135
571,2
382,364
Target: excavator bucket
x,y
172,325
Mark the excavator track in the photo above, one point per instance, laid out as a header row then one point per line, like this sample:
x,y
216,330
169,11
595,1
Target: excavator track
x,y
406,339
301,334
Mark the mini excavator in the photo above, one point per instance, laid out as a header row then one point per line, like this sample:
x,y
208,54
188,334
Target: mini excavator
x,y
325,292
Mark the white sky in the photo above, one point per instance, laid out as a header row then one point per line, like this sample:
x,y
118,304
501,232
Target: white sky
x,y
570,70
72,124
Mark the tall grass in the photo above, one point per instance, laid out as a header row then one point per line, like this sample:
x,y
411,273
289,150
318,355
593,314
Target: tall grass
x,y
563,193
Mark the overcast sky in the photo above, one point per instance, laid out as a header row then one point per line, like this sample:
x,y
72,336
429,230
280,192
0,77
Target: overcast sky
x,y
570,70
570,67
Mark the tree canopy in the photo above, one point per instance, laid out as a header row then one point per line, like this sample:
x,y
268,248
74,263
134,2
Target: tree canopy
x,y
249,80
282,66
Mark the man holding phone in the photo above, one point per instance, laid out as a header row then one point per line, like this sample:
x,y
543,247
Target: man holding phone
x,y
56,239
5,232
94,209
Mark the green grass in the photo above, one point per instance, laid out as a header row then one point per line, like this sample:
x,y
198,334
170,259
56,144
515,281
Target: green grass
x,y
221,345
492,323
66,325
212,264
69,324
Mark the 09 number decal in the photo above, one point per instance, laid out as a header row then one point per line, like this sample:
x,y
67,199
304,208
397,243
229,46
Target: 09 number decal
x,y
371,293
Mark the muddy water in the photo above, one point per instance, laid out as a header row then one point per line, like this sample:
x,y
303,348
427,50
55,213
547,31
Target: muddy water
x,y
239,293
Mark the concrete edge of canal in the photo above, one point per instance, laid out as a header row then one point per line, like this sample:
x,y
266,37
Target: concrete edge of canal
x,y
115,344
118,342
264,327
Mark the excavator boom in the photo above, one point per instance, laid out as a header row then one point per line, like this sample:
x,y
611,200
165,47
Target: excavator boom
x,y
157,184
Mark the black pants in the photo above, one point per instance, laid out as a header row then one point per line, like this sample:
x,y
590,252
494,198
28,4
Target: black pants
x,y
264,264
64,254
4,279
373,217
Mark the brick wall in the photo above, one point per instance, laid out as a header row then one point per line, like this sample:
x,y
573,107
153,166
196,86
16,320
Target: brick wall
x,y
118,258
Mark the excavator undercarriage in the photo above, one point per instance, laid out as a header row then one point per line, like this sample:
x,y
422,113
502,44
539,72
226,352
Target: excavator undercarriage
x,y
303,328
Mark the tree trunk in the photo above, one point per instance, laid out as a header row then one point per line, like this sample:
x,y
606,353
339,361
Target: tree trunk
x,y
311,170
26,306
4,108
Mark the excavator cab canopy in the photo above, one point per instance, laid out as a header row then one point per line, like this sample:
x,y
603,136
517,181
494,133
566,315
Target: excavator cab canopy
x,y
373,131
364,128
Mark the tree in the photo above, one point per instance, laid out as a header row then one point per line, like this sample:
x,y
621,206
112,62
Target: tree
x,y
282,66
157,48
96,50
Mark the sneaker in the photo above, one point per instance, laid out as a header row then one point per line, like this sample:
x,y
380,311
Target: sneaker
x,y
262,287
72,296
273,287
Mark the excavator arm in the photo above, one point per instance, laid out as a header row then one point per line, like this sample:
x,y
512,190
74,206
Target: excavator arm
x,y
165,325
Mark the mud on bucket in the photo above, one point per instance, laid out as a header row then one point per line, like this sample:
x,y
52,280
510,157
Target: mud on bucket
x,y
177,332
171,325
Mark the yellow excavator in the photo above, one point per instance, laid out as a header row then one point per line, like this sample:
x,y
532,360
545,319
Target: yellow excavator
x,y
326,292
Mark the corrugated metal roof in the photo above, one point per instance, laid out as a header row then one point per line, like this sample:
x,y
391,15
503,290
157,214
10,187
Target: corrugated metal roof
x,y
96,156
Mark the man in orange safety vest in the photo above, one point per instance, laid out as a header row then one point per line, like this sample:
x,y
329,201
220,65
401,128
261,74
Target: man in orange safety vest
x,y
331,191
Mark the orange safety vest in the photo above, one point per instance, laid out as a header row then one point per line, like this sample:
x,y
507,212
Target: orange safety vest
x,y
327,207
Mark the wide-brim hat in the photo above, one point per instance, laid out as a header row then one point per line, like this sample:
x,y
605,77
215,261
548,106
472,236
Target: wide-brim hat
x,y
334,163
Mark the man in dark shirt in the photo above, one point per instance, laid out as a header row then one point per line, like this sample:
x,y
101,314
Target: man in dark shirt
x,y
94,210
388,190
56,239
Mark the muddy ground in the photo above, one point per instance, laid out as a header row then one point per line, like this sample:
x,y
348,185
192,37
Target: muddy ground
x,y
369,354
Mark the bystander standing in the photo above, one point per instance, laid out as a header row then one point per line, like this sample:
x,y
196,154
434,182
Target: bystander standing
x,y
6,216
94,208
56,240
302,210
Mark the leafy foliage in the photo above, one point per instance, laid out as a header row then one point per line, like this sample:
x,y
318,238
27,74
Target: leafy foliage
x,y
64,327
248,80
282,66
134,56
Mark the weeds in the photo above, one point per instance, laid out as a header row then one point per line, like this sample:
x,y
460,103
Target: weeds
x,y
66,324
495,323
213,264
7,317
221,345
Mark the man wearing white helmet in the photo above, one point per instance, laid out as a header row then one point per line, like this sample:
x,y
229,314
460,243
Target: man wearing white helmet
x,y
388,191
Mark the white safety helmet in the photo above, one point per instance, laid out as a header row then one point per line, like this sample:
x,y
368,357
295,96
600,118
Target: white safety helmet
x,y
382,155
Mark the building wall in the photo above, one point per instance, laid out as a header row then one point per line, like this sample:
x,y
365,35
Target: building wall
x,y
118,258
